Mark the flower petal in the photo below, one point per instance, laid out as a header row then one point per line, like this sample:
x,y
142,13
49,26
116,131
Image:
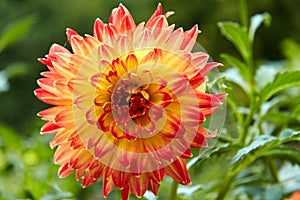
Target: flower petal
x,y
178,171
139,185
120,178
200,138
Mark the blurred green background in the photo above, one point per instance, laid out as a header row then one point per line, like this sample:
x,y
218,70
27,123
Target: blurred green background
x,y
29,27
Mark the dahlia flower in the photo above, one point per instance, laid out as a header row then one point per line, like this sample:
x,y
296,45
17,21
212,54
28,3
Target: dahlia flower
x,y
127,102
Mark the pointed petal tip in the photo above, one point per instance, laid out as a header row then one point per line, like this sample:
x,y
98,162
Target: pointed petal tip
x,y
221,97
159,6
169,13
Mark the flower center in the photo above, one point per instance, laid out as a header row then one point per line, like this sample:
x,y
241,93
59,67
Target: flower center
x,y
139,104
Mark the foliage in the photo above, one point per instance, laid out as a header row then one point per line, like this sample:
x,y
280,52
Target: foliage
x,y
256,156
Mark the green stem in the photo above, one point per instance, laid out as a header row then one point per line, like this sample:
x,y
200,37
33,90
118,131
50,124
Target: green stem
x,y
173,191
273,168
244,13
225,187
247,122
235,110
232,173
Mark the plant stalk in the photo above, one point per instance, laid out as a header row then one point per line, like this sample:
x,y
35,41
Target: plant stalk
x,y
273,169
244,13
173,194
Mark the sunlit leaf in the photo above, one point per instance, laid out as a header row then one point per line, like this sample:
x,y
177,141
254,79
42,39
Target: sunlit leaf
x,y
281,81
256,22
188,191
289,135
262,145
234,76
149,195
207,153
15,31
57,194
236,34
266,73
259,142
273,103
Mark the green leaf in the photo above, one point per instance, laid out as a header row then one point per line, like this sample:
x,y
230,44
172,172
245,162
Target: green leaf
x,y
274,103
207,153
238,36
281,81
280,118
233,75
15,31
234,62
256,21
259,142
284,153
289,135
188,191
271,69
57,194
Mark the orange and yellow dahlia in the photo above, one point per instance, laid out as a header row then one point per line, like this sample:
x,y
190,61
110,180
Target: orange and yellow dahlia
x,y
127,102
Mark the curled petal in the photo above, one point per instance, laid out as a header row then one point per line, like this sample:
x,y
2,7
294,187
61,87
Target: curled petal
x,y
50,113
98,30
50,128
208,103
157,13
120,178
200,138
93,173
65,170
125,193
122,19
107,184
189,39
139,185
208,67
154,187
70,33
65,117
178,171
